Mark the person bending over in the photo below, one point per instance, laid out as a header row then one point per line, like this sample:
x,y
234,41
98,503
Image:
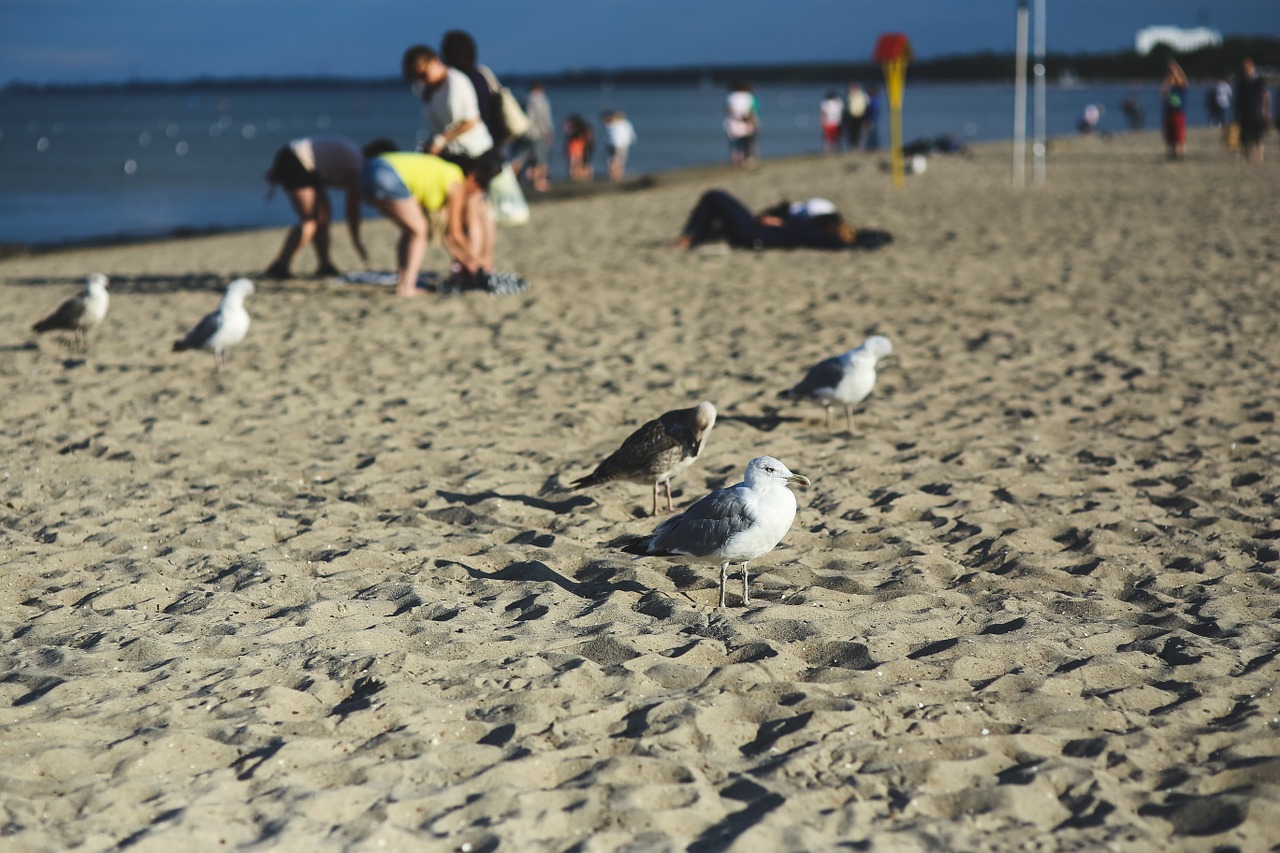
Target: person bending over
x,y
406,186
814,224
306,167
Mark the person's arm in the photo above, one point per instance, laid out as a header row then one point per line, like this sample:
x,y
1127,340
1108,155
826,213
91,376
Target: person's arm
x,y
776,215
352,190
441,140
455,240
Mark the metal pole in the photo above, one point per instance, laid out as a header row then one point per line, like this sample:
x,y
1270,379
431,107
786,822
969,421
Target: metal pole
x,y
1038,149
1020,101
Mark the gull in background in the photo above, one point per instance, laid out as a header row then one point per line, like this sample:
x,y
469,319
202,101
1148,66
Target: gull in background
x,y
223,328
847,379
80,313
733,525
657,451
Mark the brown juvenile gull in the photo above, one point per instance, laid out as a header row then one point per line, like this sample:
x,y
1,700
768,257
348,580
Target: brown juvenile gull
x,y
847,379
732,525
81,313
222,328
657,451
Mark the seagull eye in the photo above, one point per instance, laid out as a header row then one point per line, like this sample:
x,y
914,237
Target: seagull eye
x,y
770,470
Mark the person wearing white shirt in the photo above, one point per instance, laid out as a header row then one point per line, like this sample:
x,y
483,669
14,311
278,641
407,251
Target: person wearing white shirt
x,y
619,135
452,109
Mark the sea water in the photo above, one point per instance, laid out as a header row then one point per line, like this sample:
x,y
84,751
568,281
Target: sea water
x,y
128,163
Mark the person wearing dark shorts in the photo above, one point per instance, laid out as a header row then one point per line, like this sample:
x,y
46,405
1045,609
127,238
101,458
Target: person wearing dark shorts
x,y
813,224
305,168
1253,110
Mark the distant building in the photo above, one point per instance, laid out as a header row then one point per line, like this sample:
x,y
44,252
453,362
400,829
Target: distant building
x,y
1181,40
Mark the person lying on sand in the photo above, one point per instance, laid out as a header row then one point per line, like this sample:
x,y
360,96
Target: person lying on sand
x,y
814,224
405,186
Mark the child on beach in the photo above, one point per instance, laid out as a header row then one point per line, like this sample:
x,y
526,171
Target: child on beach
x,y
830,116
619,135
579,147
406,186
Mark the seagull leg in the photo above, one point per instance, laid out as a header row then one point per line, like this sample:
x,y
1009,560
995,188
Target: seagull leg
x,y
848,419
670,506
828,409
746,591
724,581
655,500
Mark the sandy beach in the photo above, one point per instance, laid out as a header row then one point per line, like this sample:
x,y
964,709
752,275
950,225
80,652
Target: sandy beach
x,y
333,599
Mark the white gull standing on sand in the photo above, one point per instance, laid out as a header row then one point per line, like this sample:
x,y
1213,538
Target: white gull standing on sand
x,y
732,525
847,379
223,328
80,313
657,451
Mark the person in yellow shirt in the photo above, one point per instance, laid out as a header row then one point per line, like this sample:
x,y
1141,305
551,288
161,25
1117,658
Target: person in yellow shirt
x,y
405,186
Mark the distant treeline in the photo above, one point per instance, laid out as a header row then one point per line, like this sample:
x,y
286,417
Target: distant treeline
x,y
1118,66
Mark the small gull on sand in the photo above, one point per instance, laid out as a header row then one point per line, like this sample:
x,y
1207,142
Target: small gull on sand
x,y
80,313
657,451
846,379
223,328
732,525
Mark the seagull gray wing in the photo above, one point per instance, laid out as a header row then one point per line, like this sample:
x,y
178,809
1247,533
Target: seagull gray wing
x,y
200,335
823,376
67,316
705,527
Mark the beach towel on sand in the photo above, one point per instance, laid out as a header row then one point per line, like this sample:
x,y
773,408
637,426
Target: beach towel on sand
x,y
498,283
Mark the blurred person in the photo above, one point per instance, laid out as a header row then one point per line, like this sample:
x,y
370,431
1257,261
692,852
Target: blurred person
x,y
451,105
1089,118
830,118
1133,113
814,223
406,186
1253,110
579,148
871,121
855,116
533,150
306,168
1217,102
619,136
741,123
1173,100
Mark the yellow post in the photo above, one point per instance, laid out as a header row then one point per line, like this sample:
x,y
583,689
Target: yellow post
x,y
893,51
895,75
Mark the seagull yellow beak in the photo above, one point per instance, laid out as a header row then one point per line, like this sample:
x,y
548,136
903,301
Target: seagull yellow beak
x,y
801,479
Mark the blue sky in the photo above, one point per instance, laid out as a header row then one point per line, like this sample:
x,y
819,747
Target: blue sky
x,y
112,40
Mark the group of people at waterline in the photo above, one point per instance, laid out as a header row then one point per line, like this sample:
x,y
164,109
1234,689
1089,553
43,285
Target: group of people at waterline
x,y
480,137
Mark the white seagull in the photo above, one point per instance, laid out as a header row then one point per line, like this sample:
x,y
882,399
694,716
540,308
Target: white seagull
x,y
221,329
732,525
846,379
657,451
80,313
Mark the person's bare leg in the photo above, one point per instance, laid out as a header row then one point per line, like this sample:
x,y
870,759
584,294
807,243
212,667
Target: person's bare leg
x,y
303,202
411,248
323,220
480,230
